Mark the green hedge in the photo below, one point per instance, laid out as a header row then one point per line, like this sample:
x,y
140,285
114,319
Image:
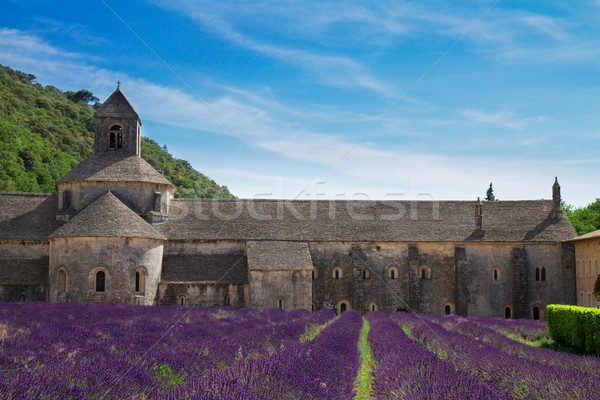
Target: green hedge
x,y
574,326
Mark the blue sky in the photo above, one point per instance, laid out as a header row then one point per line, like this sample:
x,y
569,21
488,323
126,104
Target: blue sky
x,y
378,100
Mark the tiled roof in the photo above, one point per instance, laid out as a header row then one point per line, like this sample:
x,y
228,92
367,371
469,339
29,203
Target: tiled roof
x,y
589,235
215,268
278,255
107,216
363,221
18,271
102,167
116,106
27,216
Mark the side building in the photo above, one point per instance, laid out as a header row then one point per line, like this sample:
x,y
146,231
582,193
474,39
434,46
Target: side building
x,y
115,233
587,253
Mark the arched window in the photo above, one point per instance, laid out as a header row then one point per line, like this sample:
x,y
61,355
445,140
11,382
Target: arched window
x,y
543,274
537,274
373,306
280,303
508,311
140,282
536,312
425,272
448,308
182,300
343,305
393,272
62,281
228,300
496,273
100,281
337,273
366,274
116,137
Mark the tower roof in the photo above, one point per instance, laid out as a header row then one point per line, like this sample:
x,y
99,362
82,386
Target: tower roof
x,y
117,168
117,106
107,216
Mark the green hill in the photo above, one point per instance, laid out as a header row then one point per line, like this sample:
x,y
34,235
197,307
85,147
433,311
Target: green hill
x,y
45,132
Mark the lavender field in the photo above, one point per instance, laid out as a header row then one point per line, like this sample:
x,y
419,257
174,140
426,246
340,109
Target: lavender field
x,y
107,351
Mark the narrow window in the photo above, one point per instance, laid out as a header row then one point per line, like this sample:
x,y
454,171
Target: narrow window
x,y
536,313
66,200
495,274
537,274
137,281
337,273
589,304
280,303
228,300
182,300
116,137
393,273
313,274
62,281
425,272
543,273
22,298
373,306
447,309
100,281
365,274
507,312
342,307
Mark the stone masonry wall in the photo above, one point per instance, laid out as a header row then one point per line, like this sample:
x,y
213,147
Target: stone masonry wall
x,y
118,257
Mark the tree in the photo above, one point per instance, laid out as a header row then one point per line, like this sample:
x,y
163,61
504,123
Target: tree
x,y
489,195
597,288
585,219
82,95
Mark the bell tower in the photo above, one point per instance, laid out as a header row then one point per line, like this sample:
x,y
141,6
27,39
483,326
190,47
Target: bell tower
x,y
117,127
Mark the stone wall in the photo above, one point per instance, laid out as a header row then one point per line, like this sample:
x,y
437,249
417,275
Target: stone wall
x,y
23,270
294,288
139,196
203,294
119,258
587,271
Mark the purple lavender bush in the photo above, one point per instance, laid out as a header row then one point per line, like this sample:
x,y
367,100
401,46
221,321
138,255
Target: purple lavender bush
x,y
406,369
521,377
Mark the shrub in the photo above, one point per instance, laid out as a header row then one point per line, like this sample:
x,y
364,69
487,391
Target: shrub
x,y
574,326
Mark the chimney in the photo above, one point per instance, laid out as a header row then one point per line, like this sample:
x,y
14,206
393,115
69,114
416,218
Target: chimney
x,y
478,214
556,207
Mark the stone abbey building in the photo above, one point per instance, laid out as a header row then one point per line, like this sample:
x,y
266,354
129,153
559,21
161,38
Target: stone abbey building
x,y
115,233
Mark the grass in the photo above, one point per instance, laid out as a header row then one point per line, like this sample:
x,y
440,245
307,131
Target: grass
x,y
365,377
313,330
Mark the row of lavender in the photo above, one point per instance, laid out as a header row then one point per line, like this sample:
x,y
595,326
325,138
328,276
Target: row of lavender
x,y
57,350
503,364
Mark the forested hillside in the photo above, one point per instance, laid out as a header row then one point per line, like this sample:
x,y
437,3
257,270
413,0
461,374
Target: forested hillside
x,y
45,132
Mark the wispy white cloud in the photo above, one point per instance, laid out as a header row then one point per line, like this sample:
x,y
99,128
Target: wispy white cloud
x,y
502,118
375,168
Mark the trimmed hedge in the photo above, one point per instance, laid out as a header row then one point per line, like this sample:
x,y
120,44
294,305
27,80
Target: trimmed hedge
x,y
574,326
